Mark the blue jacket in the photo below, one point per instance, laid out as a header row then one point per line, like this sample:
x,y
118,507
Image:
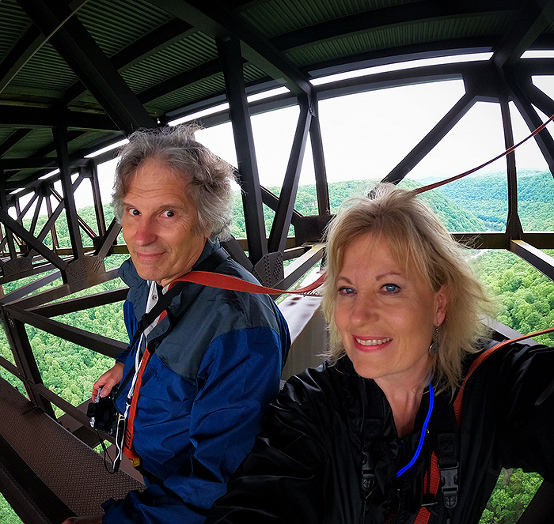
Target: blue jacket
x,y
217,364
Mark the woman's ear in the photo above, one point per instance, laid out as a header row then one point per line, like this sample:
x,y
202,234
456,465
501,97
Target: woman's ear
x,y
441,300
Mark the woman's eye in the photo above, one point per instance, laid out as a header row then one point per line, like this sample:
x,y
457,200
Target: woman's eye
x,y
344,290
391,288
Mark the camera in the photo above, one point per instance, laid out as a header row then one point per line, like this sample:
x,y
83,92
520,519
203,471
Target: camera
x,y
103,414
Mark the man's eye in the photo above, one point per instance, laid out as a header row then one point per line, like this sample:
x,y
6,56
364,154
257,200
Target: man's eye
x,y
168,213
133,211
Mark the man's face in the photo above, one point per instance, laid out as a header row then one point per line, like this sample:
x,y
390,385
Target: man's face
x,y
160,223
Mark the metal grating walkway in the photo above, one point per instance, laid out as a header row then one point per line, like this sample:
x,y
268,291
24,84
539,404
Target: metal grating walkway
x,y
43,465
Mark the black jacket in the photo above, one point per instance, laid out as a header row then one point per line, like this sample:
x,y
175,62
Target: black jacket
x,y
307,464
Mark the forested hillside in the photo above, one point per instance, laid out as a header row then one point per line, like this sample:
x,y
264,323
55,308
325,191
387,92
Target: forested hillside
x,y
485,196
478,203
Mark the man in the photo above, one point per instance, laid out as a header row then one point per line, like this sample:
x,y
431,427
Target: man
x,y
202,374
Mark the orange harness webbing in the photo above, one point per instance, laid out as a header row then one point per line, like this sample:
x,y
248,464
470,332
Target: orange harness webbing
x,y
207,278
481,358
129,430
129,427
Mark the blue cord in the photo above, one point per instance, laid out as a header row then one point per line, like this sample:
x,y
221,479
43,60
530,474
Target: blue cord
x,y
423,431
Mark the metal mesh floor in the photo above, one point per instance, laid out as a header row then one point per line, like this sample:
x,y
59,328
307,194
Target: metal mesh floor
x,y
69,468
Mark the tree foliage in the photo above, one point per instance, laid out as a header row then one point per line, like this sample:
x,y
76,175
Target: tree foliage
x,y
512,494
7,514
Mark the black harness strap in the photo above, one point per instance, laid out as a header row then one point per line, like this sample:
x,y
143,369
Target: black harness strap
x,y
446,445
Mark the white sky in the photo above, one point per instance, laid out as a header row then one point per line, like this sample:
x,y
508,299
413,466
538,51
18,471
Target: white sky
x,y
365,135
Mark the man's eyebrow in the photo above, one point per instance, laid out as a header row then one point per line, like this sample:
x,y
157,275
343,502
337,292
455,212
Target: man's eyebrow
x,y
177,204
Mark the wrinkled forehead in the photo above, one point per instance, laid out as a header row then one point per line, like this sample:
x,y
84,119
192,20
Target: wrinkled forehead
x,y
156,181
399,246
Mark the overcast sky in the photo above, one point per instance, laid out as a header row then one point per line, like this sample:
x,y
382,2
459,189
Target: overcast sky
x,y
365,135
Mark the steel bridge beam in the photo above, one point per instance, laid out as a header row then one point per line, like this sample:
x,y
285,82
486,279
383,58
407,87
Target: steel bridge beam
x,y
229,51
287,197
84,56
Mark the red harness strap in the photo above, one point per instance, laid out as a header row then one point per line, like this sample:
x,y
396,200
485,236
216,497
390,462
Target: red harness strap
x,y
432,476
480,359
129,430
219,280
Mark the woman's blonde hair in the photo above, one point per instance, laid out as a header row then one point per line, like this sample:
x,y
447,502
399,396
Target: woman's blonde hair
x,y
415,236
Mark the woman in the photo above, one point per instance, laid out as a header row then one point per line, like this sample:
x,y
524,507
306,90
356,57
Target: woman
x,y
358,439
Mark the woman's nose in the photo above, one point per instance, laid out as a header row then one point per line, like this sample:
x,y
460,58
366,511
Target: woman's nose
x,y
364,309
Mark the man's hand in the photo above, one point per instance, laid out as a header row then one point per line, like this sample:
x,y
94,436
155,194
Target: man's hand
x,y
107,381
92,519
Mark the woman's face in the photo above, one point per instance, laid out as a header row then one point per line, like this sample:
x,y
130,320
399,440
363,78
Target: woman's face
x,y
385,316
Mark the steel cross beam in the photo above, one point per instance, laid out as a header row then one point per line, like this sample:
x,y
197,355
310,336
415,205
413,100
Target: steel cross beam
x,y
60,137
149,44
4,205
431,139
532,119
513,224
535,257
48,295
24,49
321,185
13,139
217,20
543,102
19,55
20,214
100,344
287,197
229,50
37,117
533,20
380,19
272,201
75,45
27,289
39,247
80,303
24,358
90,171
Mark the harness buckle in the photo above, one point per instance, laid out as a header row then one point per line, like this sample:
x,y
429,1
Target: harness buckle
x,y
449,478
368,475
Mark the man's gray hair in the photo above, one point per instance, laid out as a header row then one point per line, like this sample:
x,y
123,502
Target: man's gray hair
x,y
209,177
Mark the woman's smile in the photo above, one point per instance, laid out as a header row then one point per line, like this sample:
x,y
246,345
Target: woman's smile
x,y
368,344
